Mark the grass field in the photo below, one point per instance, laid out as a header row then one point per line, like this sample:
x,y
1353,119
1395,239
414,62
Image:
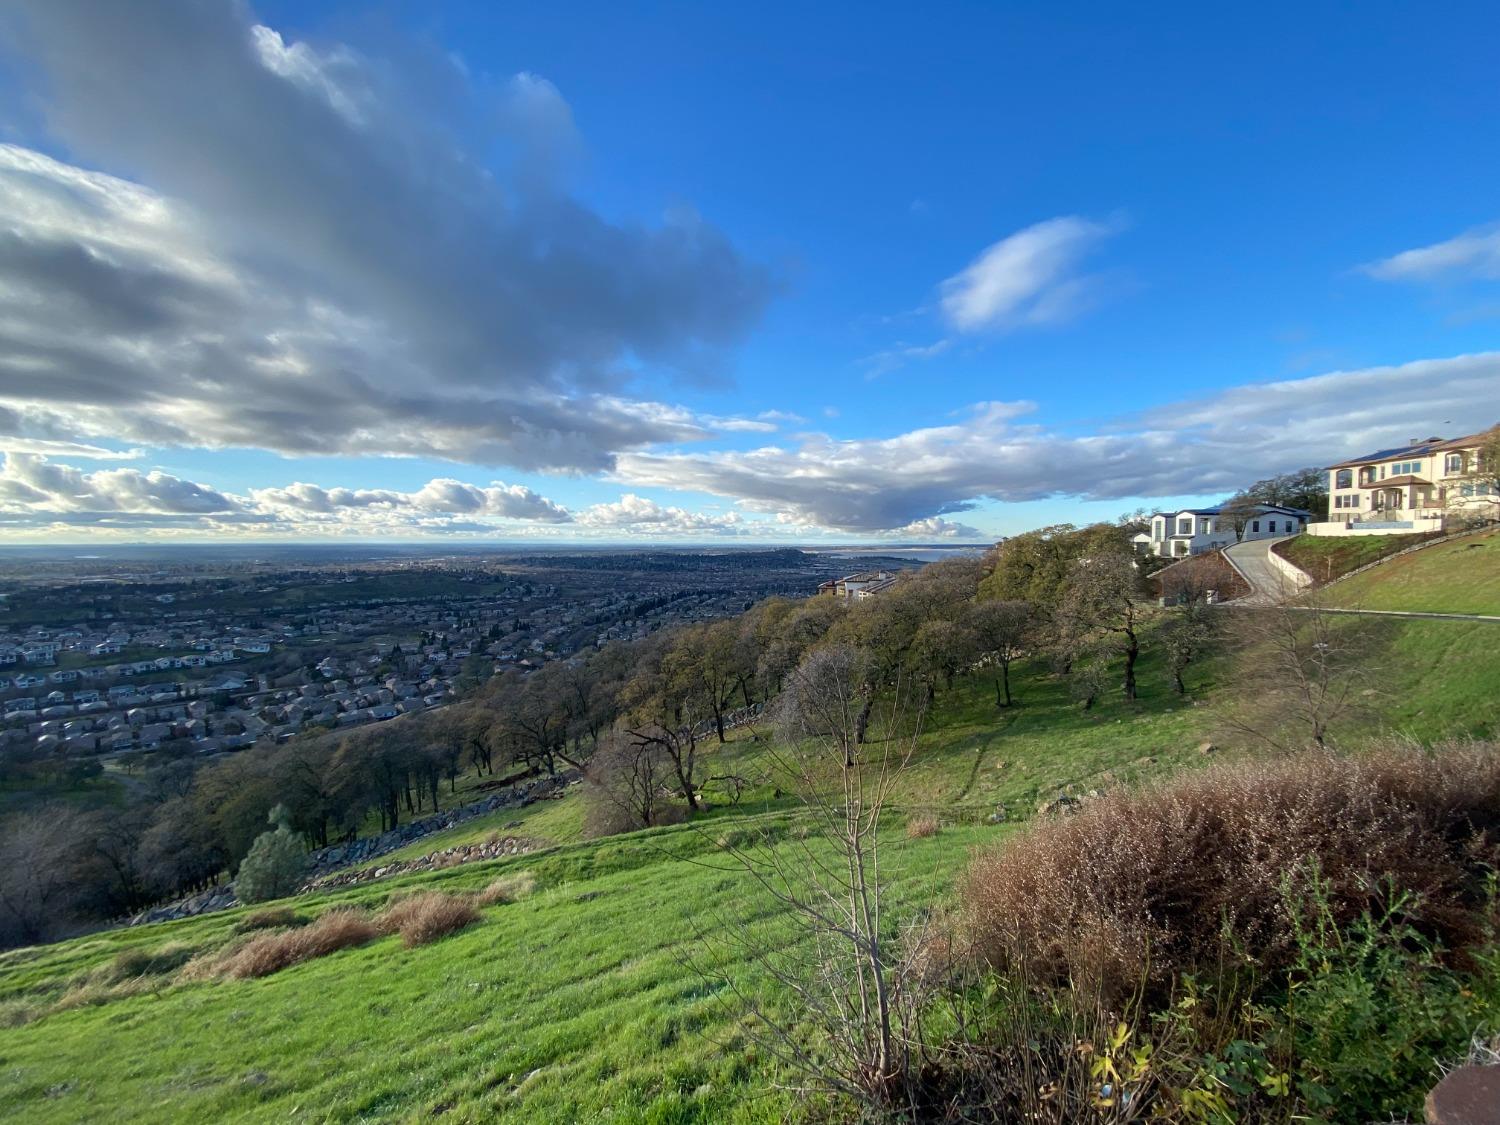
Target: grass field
x,y
576,1004
1330,557
1458,577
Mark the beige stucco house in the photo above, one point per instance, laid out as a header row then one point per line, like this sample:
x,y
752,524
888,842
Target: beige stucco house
x,y
1420,486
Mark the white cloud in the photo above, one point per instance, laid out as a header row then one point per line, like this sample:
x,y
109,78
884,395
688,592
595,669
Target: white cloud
x,y
1028,278
1475,254
890,359
934,527
1212,445
641,515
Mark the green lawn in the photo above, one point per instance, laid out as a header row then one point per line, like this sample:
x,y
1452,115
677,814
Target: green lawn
x,y
1327,557
1458,577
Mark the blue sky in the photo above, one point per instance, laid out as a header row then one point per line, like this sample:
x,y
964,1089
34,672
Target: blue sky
x,y
690,272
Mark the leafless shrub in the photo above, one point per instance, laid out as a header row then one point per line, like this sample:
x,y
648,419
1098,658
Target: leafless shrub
x,y
858,983
626,786
340,928
922,825
427,916
507,888
1137,888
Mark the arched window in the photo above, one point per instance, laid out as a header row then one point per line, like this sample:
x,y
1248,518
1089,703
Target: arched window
x,y
1344,479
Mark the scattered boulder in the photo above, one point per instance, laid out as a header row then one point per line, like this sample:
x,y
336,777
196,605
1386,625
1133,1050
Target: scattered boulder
x,y
1469,1095
1207,748
1063,804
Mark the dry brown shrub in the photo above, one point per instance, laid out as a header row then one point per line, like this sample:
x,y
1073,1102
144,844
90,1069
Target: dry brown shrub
x,y
340,928
922,825
274,918
1201,872
427,916
507,888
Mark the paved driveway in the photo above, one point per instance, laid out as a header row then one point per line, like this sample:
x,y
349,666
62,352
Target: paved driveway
x,y
1268,584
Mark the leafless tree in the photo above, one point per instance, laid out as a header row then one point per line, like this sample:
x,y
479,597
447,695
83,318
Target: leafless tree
x,y
1188,631
854,974
626,785
1302,675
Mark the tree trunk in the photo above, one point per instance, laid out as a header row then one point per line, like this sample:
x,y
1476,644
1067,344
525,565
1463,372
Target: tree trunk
x,y
862,720
1132,651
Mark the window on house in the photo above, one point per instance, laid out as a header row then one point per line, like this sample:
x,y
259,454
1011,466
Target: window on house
x,y
1185,526
1344,479
1255,525
1454,463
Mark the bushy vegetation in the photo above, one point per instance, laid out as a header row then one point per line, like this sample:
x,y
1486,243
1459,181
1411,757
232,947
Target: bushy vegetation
x,y
1139,889
507,888
275,865
268,953
428,915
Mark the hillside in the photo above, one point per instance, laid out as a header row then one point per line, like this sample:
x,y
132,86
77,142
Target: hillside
x,y
578,1003
1462,576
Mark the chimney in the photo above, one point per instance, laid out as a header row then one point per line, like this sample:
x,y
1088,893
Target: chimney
x,y
1414,441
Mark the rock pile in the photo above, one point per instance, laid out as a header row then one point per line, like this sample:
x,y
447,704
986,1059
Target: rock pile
x,y
494,848
325,861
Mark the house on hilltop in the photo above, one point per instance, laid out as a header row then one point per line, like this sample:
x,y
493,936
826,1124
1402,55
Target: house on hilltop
x,y
1416,487
858,586
1192,531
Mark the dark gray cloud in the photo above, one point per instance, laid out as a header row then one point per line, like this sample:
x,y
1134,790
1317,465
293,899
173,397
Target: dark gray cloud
x,y
320,262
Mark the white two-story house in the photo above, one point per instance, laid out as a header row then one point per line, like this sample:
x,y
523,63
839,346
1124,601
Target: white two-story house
x,y
1409,488
1195,530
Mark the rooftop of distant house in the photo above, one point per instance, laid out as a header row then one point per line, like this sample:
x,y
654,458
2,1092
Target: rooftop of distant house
x,y
1417,447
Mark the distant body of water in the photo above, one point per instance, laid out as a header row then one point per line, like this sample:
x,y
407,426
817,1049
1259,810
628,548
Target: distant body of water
x,y
912,554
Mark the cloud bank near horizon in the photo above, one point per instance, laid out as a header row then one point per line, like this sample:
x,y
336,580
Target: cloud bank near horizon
x,y
905,486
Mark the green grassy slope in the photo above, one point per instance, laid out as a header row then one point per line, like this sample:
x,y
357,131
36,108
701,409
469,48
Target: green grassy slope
x,y
1458,577
1330,557
575,1004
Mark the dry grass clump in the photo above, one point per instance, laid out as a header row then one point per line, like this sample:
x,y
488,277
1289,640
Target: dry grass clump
x,y
427,916
132,963
1208,870
274,918
340,928
922,825
507,888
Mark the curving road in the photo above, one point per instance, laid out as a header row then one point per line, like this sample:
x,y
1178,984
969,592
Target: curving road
x,y
1269,584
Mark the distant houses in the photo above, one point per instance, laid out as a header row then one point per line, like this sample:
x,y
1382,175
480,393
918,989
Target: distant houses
x,y
1192,531
858,586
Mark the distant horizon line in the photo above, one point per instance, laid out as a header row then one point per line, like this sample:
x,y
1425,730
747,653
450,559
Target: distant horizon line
x,y
97,548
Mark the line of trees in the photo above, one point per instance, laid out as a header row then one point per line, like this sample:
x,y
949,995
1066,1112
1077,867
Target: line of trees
x,y
634,717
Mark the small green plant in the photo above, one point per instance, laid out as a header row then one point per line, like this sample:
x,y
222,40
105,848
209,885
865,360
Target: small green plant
x,y
276,863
